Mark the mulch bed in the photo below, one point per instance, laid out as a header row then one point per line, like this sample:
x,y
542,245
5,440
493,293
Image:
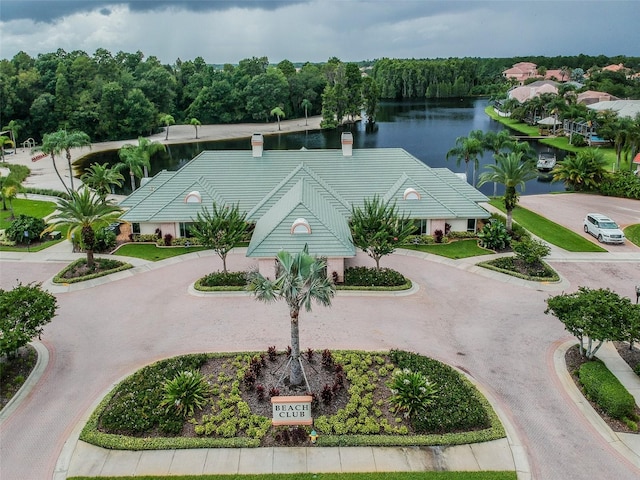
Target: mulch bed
x,y
574,360
14,372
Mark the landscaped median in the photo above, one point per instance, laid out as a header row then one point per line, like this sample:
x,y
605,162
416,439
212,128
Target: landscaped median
x,y
354,404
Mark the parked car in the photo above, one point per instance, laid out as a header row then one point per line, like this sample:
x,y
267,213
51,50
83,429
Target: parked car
x,y
603,228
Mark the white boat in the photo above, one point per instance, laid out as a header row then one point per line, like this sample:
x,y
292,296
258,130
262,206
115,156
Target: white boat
x,y
546,161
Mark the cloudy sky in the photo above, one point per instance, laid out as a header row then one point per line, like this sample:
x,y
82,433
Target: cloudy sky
x,y
224,31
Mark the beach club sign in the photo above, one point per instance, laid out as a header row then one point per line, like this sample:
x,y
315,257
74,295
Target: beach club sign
x,y
291,410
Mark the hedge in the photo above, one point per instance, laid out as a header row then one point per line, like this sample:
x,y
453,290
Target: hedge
x,y
605,389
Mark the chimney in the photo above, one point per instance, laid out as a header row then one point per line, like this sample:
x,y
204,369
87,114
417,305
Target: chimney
x,y
347,144
257,142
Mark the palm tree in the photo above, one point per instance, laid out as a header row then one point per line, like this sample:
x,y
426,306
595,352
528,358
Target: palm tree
x,y
83,213
9,189
4,140
102,178
495,142
467,149
137,158
585,171
306,104
510,171
62,140
278,112
51,146
13,127
167,120
196,123
300,280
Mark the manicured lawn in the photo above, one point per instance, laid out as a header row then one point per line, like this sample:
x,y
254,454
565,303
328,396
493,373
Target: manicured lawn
x,y
153,253
549,231
632,232
455,250
333,476
32,208
560,142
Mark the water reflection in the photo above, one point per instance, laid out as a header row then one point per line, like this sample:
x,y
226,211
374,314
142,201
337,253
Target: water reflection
x,y
426,129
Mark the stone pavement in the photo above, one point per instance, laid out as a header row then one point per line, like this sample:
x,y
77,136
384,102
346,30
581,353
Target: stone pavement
x,y
80,459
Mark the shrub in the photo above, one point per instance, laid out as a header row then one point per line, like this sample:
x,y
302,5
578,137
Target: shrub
x,y
621,184
105,240
365,276
458,408
221,279
494,236
135,407
578,141
531,251
24,223
605,389
167,240
438,235
184,392
411,392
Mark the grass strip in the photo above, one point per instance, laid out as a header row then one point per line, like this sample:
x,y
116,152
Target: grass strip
x,y
453,250
549,231
632,232
153,253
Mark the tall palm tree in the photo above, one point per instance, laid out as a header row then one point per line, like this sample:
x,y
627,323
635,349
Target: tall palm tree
x,y
467,149
83,213
278,112
9,189
63,141
51,146
196,123
101,178
167,120
13,127
306,104
510,171
300,280
496,142
137,158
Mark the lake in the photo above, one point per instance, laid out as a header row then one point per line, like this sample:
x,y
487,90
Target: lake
x,y
427,129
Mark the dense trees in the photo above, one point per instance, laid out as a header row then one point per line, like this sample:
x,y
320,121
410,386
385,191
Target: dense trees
x,y
116,96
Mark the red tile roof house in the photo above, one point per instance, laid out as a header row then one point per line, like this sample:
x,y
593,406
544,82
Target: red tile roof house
x,y
521,71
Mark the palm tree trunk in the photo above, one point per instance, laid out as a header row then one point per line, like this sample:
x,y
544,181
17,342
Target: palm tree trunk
x,y
55,167
133,181
295,376
70,170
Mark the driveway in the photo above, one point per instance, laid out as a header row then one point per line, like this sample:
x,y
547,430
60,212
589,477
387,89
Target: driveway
x,y
490,327
569,210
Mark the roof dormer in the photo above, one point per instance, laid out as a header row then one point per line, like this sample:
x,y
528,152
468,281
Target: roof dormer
x,y
193,197
300,226
411,194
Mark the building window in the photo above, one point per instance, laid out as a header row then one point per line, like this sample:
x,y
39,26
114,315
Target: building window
x,y
193,197
185,229
471,225
421,225
135,228
411,194
300,225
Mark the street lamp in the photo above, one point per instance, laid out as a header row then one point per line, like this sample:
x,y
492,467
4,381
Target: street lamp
x,y
26,235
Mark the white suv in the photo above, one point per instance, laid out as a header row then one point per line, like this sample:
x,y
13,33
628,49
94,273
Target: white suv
x,y
603,228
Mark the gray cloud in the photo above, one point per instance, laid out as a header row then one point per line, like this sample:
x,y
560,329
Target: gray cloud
x,y
49,11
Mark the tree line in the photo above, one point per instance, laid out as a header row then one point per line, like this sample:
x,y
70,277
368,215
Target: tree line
x,y
126,95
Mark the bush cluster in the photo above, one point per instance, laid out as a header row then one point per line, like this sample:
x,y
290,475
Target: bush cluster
x,y
456,406
24,223
605,389
136,405
621,184
494,236
365,276
222,279
510,266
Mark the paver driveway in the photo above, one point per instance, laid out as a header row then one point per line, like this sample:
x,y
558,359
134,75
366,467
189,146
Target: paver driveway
x,y
494,330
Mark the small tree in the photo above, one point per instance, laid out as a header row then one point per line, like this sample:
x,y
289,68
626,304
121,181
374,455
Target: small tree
x,y
167,120
593,316
306,104
196,123
531,251
24,311
300,279
378,228
221,230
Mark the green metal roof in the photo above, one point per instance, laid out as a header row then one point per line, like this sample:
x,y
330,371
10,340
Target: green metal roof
x,y
319,184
